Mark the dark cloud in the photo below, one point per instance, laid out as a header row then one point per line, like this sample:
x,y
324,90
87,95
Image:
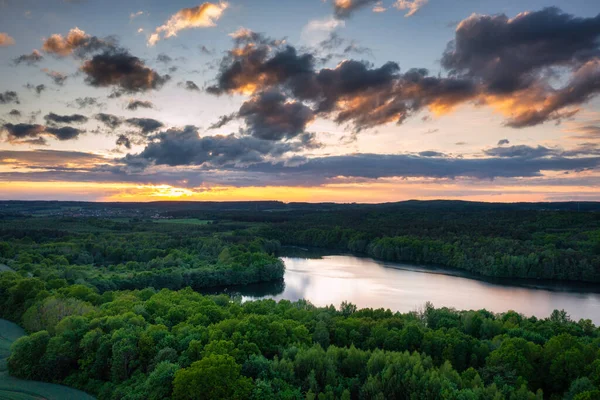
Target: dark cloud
x,y
511,65
430,153
146,125
223,120
111,121
521,151
14,113
64,132
354,92
29,59
516,60
123,140
503,142
135,104
77,43
185,147
120,69
354,48
21,131
163,58
35,134
9,97
189,85
553,104
53,118
373,166
508,54
344,8
253,67
270,116
86,102
37,88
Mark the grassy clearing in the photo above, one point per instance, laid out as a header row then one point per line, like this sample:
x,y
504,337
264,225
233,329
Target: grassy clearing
x,y
185,221
17,389
6,268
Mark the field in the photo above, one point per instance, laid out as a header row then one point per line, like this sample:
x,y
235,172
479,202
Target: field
x,y
18,389
183,221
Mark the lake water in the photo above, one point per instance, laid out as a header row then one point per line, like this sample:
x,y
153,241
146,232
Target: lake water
x,y
400,287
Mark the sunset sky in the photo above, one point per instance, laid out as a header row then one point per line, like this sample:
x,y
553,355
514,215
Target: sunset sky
x,y
300,100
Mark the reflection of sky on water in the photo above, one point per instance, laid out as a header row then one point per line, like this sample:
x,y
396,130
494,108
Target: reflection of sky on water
x,y
368,283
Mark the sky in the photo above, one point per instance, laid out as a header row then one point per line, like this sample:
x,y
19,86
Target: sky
x,y
300,100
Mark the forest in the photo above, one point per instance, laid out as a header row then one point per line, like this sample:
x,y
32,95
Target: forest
x,y
113,304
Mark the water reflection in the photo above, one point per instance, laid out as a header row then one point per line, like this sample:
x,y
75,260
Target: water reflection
x,y
400,287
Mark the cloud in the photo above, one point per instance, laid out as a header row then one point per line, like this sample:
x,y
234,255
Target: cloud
x,y
127,73
521,151
64,132
14,113
269,116
9,97
514,66
163,58
343,9
146,125
202,16
35,134
503,142
37,88
223,120
430,153
185,147
353,92
517,62
111,121
29,59
374,166
86,102
411,5
318,29
587,131
123,140
134,15
205,50
6,40
76,42
53,118
57,77
189,85
135,104
255,66
50,159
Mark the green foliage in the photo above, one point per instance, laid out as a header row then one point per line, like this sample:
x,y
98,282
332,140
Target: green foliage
x,y
152,345
105,305
213,377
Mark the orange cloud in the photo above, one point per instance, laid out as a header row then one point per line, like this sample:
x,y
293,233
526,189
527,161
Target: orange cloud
x,y
6,40
64,46
411,5
202,16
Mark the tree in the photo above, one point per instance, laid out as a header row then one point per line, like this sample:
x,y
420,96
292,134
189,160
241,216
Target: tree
x,y
214,377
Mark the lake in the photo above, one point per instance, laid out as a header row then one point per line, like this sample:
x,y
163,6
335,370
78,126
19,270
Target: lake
x,y
365,282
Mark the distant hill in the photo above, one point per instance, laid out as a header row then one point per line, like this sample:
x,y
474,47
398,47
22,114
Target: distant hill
x,y
189,208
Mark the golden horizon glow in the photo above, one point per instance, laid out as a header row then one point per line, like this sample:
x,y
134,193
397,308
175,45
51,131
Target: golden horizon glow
x,y
370,192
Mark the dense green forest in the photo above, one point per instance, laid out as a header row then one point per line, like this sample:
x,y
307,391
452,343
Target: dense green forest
x,y
529,244
109,297
149,344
